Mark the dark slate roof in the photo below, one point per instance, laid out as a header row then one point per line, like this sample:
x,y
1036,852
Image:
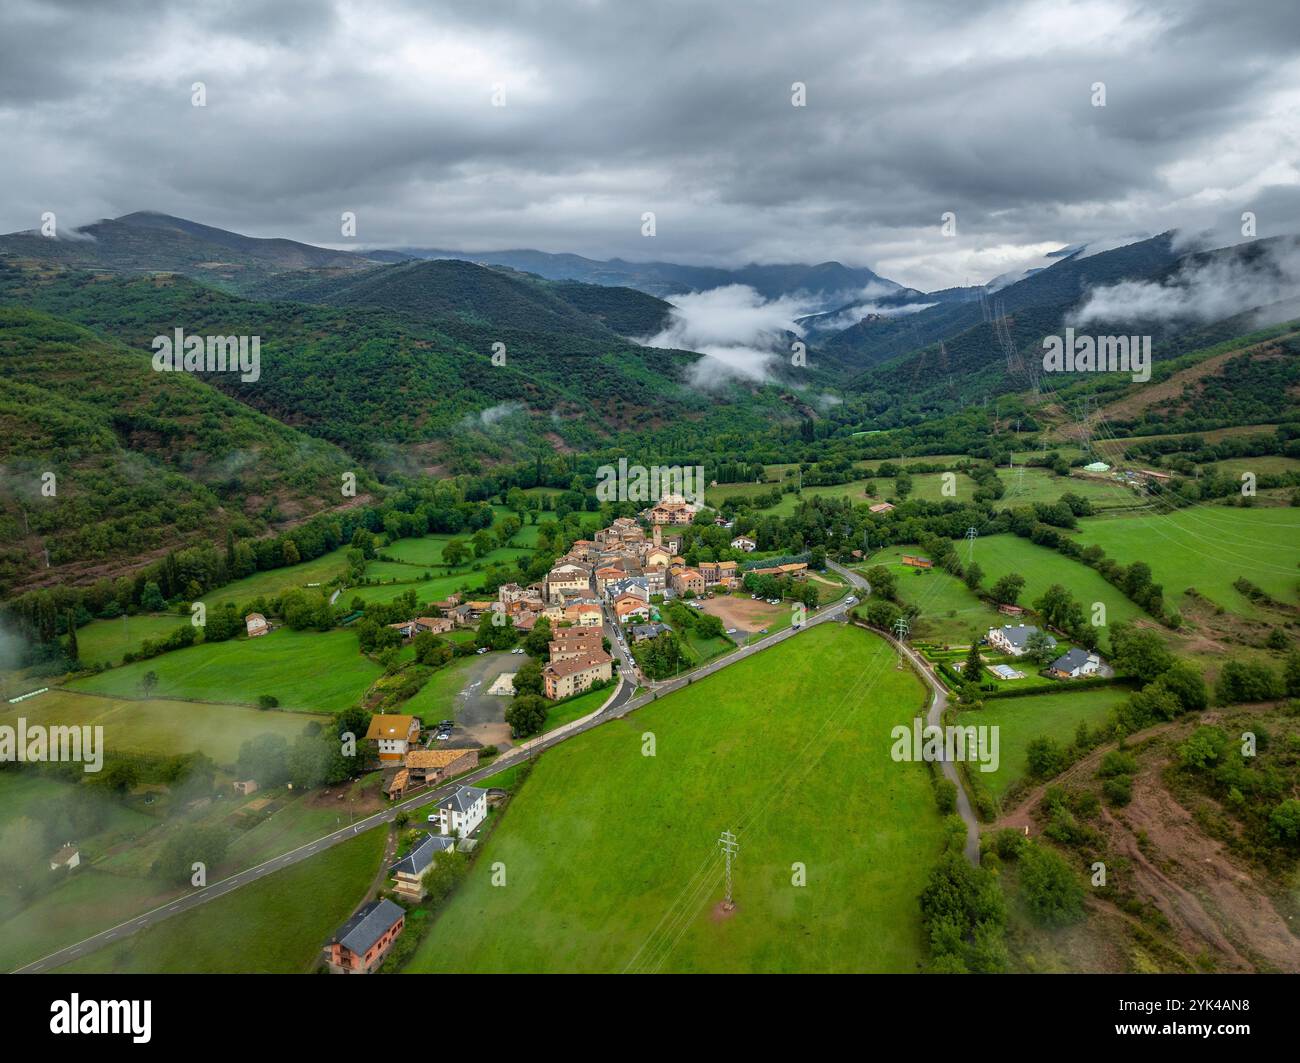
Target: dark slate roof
x,y
1069,661
463,799
371,923
420,858
649,631
1018,634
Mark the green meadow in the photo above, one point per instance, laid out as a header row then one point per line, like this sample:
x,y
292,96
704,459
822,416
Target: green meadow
x,y
611,855
276,925
306,670
1209,548
162,726
1020,720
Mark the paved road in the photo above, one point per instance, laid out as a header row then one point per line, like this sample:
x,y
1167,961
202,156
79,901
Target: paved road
x,y
618,706
934,717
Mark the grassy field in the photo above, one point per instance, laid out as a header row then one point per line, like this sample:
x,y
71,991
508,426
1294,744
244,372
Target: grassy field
x,y
1041,567
1209,547
611,856
1040,715
1025,486
436,700
582,705
949,610
270,583
274,926
105,641
307,670
161,726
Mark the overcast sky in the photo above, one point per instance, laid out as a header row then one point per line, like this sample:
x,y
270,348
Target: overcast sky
x,y
684,109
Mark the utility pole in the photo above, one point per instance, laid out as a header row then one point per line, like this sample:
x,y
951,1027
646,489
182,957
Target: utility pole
x,y
900,632
971,533
730,847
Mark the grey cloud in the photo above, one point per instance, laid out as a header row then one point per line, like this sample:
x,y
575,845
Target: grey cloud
x,y
913,109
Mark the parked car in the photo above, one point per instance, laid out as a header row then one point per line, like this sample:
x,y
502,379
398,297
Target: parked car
x,y
446,725
850,600
517,649
481,649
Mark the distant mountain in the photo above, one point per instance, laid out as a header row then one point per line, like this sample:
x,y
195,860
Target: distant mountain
x,y
151,242
1050,291
434,290
830,281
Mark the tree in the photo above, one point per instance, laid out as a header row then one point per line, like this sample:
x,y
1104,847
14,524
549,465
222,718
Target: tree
x,y
1291,674
148,681
883,582
529,680
1041,647
974,575
537,642
74,654
1007,590
1284,822
1051,890
974,666
1244,681
1139,652
526,715
152,600
201,845
455,553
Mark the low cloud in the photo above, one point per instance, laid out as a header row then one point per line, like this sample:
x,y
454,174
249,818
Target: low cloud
x,y
1205,290
492,416
740,334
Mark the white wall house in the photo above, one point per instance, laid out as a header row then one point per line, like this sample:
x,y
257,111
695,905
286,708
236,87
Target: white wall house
x,y
462,812
1014,638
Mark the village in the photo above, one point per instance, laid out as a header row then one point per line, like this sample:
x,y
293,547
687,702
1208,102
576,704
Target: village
x,y
602,596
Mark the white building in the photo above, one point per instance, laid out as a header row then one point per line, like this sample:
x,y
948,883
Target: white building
x,y
1014,638
462,812
743,542
1075,664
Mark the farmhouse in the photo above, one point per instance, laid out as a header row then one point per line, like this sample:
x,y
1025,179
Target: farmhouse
x,y
576,674
66,858
394,735
881,507
435,765
409,871
1010,610
793,570
744,542
256,624
917,562
462,812
1074,664
437,625
364,940
1014,639
245,786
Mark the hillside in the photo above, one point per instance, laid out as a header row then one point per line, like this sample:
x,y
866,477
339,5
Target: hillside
x,y
142,460
831,281
148,241
376,381
1053,290
433,291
